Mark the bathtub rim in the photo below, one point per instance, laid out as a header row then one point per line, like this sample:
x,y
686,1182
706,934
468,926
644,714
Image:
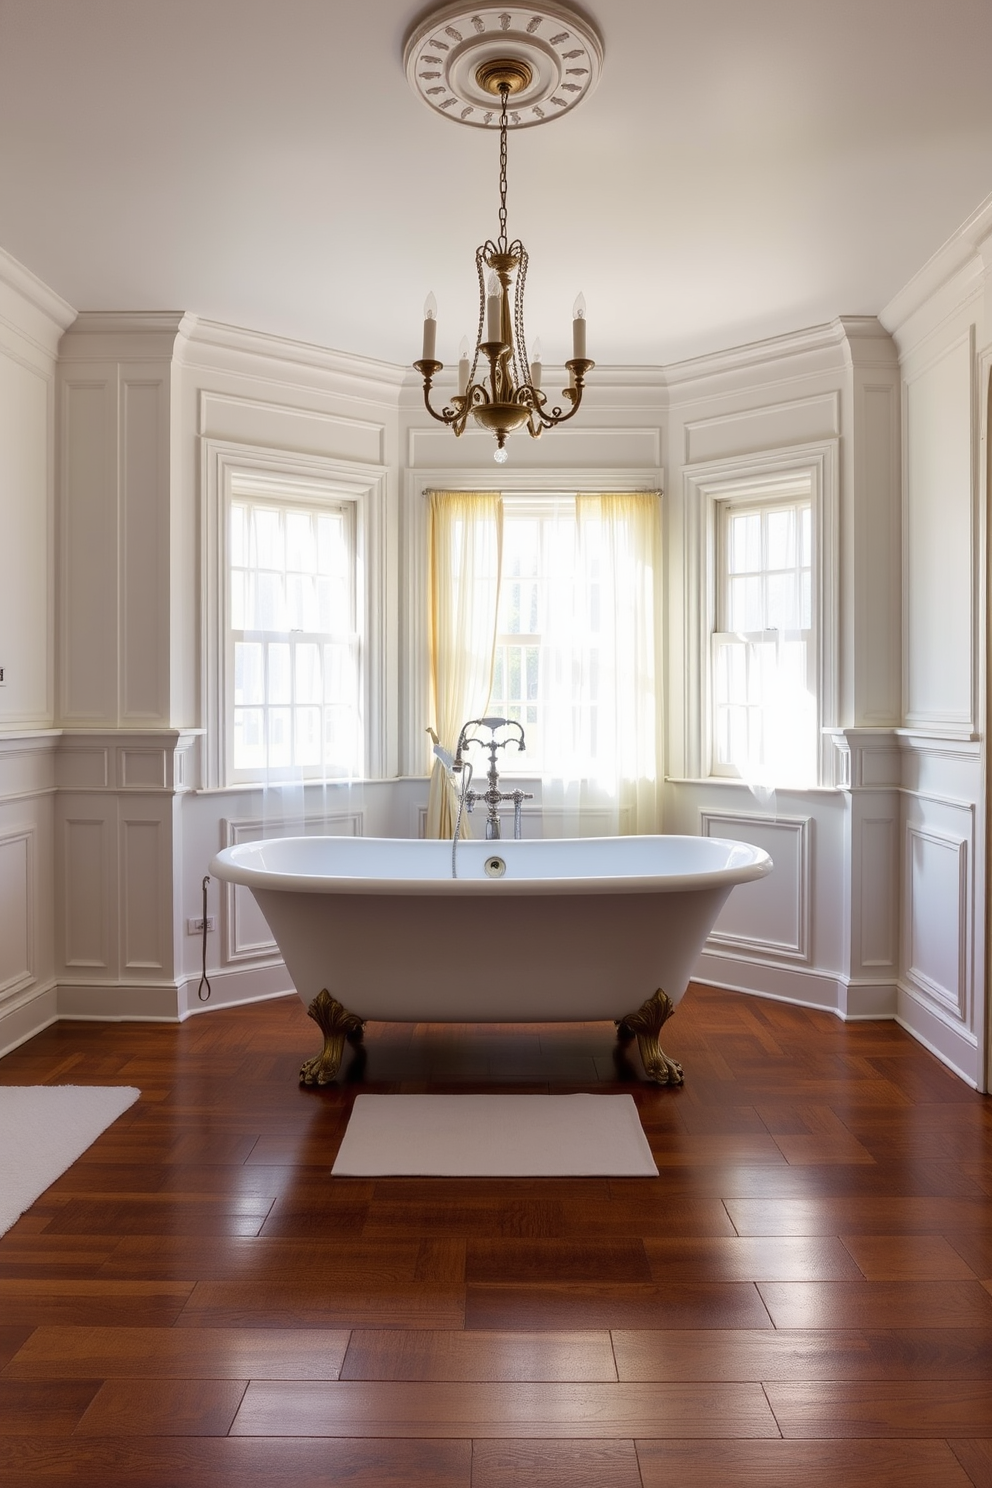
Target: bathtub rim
x,y
229,866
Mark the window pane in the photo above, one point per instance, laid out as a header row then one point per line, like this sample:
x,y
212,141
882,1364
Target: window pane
x,y
300,548
249,673
267,538
309,684
782,606
781,539
745,543
279,686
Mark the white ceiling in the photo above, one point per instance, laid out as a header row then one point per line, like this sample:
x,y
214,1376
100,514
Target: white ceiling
x,y
746,167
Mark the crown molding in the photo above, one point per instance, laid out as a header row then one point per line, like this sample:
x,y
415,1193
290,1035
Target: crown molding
x,y
829,338
35,291
973,239
212,335
30,308
123,335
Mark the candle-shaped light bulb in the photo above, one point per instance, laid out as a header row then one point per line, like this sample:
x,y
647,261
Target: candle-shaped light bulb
x,y
430,328
463,367
579,328
535,366
494,309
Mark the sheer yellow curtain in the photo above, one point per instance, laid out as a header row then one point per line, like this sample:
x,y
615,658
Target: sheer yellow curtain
x,y
605,719
465,557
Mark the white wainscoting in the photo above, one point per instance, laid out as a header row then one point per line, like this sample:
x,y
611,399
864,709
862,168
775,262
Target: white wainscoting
x,y
772,917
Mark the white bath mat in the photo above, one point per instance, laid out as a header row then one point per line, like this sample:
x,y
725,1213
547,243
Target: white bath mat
x,y
43,1129
495,1136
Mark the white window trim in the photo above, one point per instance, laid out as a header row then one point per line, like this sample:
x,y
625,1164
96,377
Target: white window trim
x,y
767,474
232,469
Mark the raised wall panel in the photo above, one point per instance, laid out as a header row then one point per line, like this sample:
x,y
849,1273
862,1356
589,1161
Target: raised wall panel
x,y
938,586
88,546
144,620
246,935
89,889
143,769
17,910
796,422
145,879
25,543
937,868
878,843
877,661
84,769
770,917
279,426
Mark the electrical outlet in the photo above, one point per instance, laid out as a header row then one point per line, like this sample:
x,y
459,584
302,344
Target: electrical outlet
x,y
3,678
195,927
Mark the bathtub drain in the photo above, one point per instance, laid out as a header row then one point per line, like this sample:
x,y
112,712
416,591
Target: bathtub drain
x,y
495,867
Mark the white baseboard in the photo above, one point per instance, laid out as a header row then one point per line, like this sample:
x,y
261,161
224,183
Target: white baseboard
x,y
235,987
119,1002
956,1047
25,1015
825,991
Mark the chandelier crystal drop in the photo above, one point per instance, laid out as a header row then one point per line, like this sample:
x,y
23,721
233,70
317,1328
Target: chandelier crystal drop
x,y
508,394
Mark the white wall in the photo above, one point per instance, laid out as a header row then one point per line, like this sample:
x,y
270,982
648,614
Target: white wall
x,y
31,320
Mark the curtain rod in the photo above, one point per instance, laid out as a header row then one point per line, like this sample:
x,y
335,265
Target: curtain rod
x,y
536,495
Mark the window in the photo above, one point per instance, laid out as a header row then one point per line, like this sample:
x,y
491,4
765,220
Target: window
x,y
539,562
763,666
575,660
294,656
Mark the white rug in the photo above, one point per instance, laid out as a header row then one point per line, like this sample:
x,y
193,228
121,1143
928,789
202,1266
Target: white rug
x,y
43,1129
495,1136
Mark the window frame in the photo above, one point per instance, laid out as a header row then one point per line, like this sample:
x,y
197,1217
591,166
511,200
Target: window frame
x,y
764,475
230,470
286,502
784,497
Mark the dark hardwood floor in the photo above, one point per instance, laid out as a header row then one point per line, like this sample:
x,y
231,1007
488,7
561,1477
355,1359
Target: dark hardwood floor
x,y
803,1297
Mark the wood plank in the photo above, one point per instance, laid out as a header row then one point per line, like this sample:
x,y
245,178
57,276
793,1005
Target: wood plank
x,y
878,1408
555,1464
751,1258
216,1462
264,1261
44,1408
51,1300
502,1410
583,1305
976,1458
392,1354
528,1261
320,1303
179,1353
906,1258
877,1304
163,1407
784,1464
863,1215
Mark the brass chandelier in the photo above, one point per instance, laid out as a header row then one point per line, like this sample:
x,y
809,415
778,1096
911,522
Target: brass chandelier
x,y
508,394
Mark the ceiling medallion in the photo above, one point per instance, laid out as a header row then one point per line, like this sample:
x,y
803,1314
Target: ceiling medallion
x,y
449,53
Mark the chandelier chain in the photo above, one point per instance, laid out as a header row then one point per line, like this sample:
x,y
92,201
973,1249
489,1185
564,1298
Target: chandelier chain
x,y
503,93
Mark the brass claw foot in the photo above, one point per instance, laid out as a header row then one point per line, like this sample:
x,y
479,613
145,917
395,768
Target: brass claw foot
x,y
647,1023
336,1024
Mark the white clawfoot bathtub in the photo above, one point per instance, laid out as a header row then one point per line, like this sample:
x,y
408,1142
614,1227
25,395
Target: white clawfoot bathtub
x,y
529,932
